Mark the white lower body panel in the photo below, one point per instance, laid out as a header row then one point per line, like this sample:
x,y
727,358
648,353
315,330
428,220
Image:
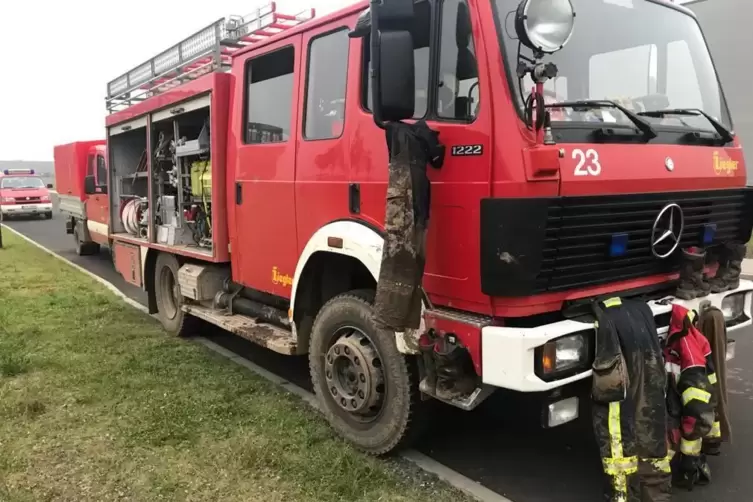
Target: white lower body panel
x,y
508,353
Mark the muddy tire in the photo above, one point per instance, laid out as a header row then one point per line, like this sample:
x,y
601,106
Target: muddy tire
x,y
83,248
368,390
169,299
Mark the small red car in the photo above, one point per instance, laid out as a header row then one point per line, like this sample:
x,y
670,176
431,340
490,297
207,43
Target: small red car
x,y
22,193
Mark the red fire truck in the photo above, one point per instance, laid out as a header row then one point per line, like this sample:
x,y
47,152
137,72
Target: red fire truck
x,y
247,176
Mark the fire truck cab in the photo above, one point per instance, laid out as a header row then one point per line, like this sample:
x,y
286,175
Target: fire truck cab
x,y
247,177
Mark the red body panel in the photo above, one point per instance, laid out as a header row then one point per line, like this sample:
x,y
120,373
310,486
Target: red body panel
x,y
70,167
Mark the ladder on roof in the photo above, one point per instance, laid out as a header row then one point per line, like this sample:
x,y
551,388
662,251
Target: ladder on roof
x,y
208,50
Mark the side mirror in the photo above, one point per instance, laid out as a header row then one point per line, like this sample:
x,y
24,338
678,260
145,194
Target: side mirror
x,y
49,185
89,185
388,22
396,99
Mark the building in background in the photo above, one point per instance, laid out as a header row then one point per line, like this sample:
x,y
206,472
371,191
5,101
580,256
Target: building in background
x,y
726,24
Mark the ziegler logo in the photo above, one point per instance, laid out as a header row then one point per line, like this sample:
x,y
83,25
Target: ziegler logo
x,y
278,278
724,167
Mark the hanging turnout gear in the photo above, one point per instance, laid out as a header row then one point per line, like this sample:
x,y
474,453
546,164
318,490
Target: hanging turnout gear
x,y
629,407
411,147
693,284
727,276
714,328
690,397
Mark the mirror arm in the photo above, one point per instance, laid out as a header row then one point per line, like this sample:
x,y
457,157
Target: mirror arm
x,y
375,64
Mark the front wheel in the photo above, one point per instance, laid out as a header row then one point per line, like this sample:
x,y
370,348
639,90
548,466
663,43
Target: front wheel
x,y
169,298
368,390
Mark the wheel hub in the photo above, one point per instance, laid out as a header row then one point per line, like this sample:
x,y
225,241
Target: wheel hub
x,y
353,372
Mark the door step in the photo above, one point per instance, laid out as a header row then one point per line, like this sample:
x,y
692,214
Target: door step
x,y
271,337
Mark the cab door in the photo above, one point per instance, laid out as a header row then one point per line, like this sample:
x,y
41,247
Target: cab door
x,y
97,204
265,245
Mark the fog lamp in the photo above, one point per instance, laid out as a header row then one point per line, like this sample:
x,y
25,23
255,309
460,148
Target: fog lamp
x,y
562,412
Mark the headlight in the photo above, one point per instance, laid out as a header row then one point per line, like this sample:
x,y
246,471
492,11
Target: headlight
x,y
45,198
545,25
8,199
562,355
733,306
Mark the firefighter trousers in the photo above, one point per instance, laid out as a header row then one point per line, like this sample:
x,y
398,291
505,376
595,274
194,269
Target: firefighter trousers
x,y
629,476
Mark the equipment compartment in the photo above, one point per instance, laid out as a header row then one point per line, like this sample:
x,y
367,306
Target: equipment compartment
x,y
182,175
129,174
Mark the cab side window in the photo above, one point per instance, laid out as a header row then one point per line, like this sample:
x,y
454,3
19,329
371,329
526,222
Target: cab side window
x,y
269,96
457,91
101,170
91,165
421,36
326,77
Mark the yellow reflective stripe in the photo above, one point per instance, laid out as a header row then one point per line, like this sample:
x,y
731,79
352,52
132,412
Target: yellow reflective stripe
x,y
615,431
712,378
716,430
618,466
691,315
612,302
663,464
692,448
693,393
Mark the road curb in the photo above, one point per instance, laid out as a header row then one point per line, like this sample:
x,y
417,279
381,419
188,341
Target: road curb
x,y
449,476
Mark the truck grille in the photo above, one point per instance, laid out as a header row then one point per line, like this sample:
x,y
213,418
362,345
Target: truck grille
x,y
28,200
563,243
579,231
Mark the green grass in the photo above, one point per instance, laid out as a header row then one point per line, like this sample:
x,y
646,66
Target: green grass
x,y
98,403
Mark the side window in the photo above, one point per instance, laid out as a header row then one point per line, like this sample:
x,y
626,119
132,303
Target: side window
x,y
269,97
101,170
420,31
457,94
91,165
325,86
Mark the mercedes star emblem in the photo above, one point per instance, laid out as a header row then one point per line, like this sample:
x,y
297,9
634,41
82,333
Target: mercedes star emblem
x,y
667,231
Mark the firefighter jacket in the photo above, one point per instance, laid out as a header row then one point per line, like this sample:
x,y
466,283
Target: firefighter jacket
x,y
629,407
690,394
714,328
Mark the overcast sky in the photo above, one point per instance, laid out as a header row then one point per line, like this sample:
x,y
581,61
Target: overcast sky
x,y
57,57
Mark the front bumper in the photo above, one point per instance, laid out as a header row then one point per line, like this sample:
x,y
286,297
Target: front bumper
x,y
26,209
508,353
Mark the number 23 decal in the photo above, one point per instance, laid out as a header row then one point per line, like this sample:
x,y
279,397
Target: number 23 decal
x,y
588,162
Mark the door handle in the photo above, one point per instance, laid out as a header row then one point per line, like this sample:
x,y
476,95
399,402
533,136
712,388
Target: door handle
x,y
238,193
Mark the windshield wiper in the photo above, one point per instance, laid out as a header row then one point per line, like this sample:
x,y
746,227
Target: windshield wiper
x,y
590,104
725,134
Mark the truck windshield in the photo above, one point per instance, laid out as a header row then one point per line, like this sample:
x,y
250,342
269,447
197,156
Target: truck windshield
x,y
641,54
21,182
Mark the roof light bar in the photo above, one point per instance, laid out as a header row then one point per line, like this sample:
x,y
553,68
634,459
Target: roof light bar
x,y
8,172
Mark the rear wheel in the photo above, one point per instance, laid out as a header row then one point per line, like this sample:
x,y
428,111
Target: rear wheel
x,y
169,298
368,390
83,248
48,216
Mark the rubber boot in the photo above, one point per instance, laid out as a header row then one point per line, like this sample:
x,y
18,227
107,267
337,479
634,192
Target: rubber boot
x,y
453,381
692,284
730,266
426,347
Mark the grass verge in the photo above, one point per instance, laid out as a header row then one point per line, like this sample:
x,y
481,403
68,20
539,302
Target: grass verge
x,y
97,403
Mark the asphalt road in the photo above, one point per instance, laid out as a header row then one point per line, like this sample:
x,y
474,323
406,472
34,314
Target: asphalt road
x,y
500,444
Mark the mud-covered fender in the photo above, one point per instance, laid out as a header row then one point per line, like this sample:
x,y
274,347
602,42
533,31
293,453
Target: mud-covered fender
x,y
362,243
